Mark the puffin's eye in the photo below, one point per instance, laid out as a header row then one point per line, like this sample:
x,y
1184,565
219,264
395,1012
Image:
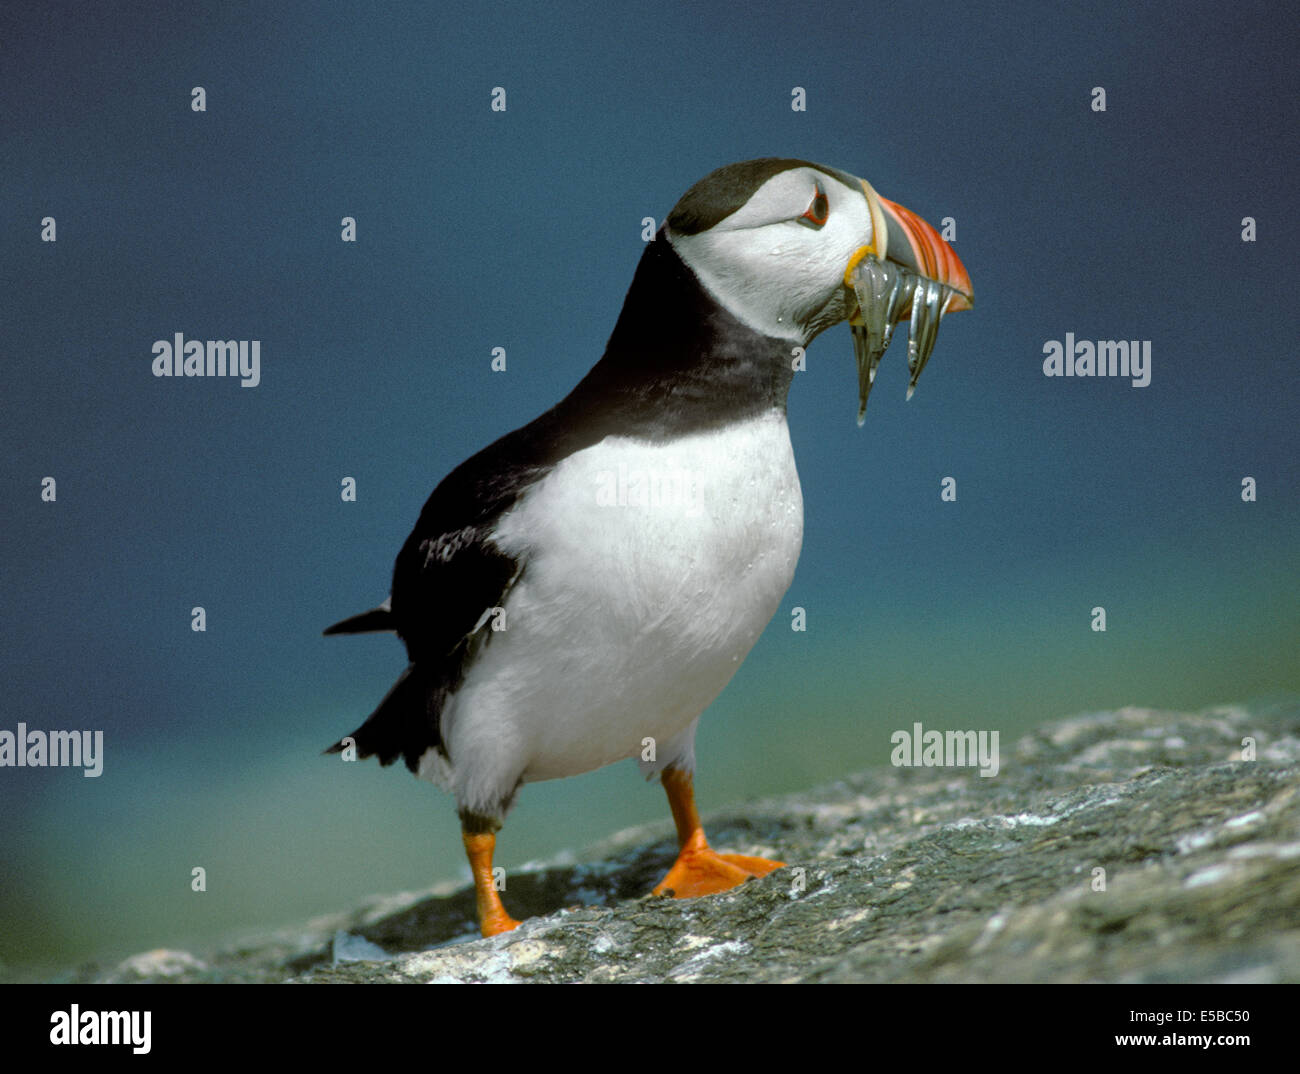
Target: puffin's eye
x,y
818,210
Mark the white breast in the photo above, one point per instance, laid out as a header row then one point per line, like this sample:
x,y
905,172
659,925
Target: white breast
x,y
650,571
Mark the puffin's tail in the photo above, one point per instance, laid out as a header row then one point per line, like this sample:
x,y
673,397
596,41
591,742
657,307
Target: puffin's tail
x,y
404,725
380,618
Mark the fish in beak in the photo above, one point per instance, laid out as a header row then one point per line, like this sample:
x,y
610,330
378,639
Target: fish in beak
x,y
907,272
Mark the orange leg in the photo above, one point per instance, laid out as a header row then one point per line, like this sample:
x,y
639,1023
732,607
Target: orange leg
x,y
700,870
492,916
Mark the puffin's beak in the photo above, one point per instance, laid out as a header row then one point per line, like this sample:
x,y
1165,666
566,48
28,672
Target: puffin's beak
x,y
906,272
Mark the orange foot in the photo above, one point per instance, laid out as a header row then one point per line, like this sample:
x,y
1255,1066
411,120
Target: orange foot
x,y
701,870
494,924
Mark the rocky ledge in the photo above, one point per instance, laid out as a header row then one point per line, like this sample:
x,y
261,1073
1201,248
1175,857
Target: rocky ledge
x,y
1127,846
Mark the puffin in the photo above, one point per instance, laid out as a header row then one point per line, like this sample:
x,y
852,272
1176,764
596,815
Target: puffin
x,y
581,590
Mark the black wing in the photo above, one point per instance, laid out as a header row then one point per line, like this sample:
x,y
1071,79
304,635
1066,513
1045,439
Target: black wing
x,y
448,577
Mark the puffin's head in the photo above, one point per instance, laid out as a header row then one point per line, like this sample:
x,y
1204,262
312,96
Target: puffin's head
x,y
791,248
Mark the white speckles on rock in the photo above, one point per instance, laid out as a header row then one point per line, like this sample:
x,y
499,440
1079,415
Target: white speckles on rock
x,y
852,918
350,948
695,965
1211,874
1188,844
162,962
1253,817
1283,852
469,964
995,924
1031,819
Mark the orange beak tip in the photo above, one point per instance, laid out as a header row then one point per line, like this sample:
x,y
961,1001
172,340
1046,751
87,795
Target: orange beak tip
x,y
959,302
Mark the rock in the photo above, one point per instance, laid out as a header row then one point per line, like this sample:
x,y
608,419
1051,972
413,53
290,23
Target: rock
x,y
908,875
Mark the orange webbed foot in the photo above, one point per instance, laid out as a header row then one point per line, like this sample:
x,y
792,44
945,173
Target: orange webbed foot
x,y
701,870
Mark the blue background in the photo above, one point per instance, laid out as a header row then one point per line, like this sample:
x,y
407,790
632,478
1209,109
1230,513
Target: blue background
x,y
479,229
